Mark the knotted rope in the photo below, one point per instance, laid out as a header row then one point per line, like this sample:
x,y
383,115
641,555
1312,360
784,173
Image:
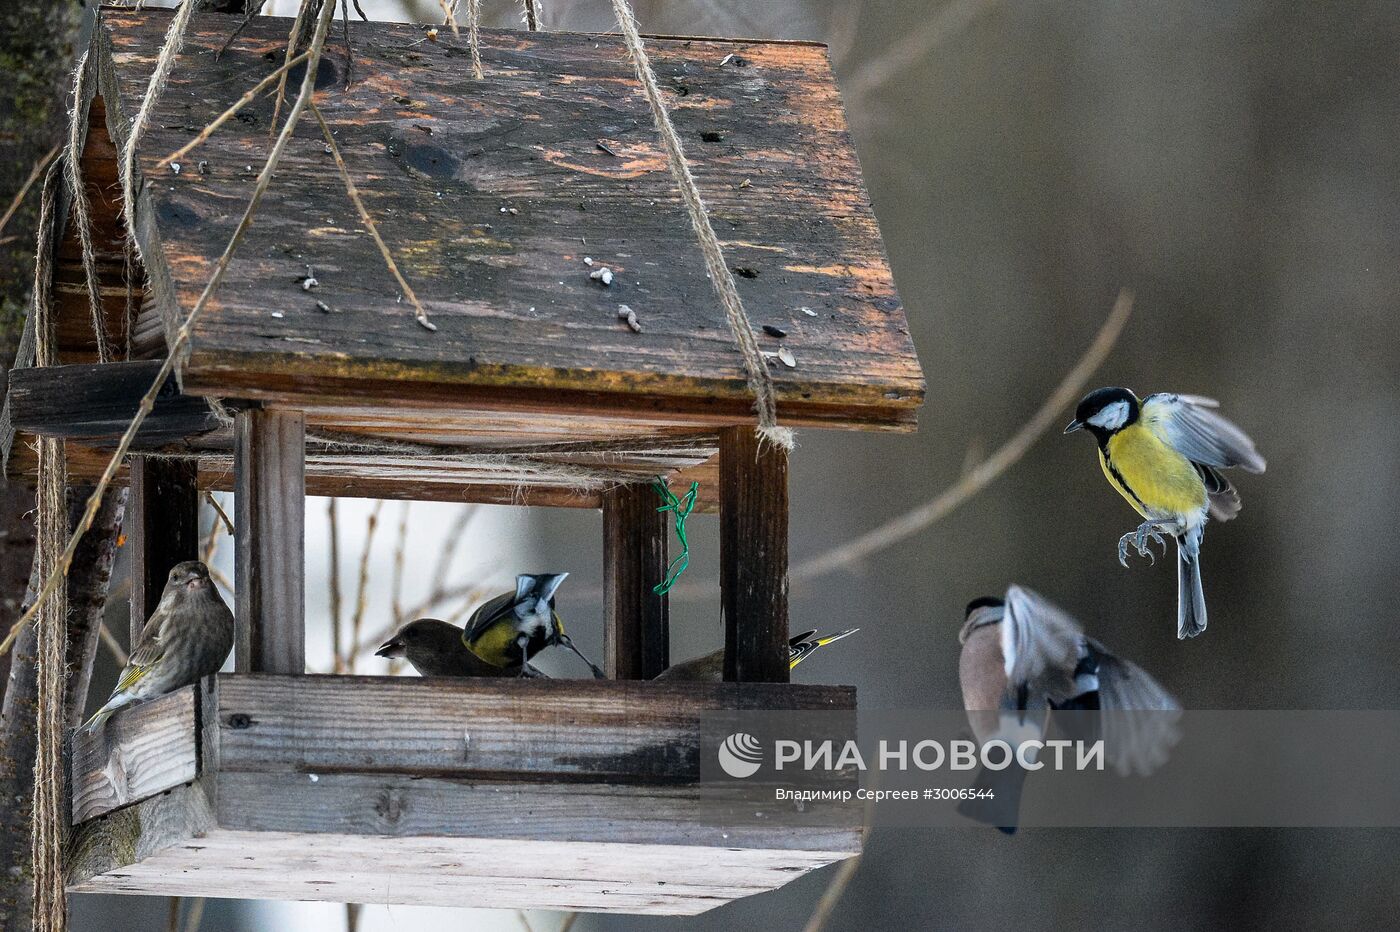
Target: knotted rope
x,y
47,823
755,367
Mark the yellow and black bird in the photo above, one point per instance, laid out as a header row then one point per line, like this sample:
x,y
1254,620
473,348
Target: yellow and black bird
x,y
1023,660
710,667
1164,454
435,648
514,626
187,637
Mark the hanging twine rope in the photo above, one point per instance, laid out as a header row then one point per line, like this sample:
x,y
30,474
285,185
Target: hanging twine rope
x,y
474,36
170,48
82,209
46,827
755,368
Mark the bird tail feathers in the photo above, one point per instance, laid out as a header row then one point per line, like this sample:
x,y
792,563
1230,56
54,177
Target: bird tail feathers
x,y
997,799
1190,596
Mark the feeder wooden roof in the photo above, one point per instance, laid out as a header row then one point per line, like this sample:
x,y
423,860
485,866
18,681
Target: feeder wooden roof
x,y
491,194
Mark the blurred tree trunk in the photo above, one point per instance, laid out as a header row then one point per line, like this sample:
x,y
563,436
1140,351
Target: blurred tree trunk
x,y
88,581
37,51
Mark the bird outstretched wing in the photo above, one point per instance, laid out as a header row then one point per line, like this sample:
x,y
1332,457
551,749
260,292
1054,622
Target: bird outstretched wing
x,y
1139,717
1190,425
1039,645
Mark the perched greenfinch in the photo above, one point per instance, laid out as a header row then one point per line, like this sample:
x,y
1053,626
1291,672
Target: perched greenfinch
x,y
187,637
435,648
514,626
710,667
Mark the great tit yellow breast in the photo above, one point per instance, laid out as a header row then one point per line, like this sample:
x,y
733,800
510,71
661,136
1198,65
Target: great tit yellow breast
x,y
496,644
1155,479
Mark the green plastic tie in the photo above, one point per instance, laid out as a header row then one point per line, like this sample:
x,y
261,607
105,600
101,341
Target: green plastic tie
x,y
681,508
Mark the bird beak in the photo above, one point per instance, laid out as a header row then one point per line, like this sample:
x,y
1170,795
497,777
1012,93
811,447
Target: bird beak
x,y
1074,425
390,649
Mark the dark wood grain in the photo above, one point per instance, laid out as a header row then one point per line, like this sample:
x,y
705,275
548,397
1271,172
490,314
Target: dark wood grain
x,y
491,194
143,750
95,404
753,557
533,730
162,528
270,501
636,633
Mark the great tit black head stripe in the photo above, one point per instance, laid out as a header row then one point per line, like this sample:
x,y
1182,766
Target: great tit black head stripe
x,y
1163,454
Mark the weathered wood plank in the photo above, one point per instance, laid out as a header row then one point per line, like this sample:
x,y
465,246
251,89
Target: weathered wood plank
x,y
393,806
753,557
162,529
636,636
141,751
596,730
270,560
95,404
413,479
643,879
387,814
492,193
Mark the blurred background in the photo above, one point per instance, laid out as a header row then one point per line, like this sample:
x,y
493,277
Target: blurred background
x,y
1237,165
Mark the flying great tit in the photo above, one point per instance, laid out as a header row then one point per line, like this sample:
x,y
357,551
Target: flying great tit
x,y
435,648
1023,658
1164,455
514,626
187,638
710,667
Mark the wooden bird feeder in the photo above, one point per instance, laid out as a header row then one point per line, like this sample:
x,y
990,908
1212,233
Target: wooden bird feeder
x,y
494,196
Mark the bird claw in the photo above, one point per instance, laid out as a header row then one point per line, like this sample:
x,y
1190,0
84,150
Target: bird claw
x,y
1139,539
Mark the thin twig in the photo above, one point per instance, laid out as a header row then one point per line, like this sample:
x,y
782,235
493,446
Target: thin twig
x,y
332,519
292,39
524,920
172,914
971,482
218,510
568,923
449,15
182,337
362,583
400,549
847,871
34,174
368,221
232,111
910,49
532,23
195,915
110,641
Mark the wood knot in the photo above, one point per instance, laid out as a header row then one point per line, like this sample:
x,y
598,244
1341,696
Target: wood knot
x,y
240,720
389,805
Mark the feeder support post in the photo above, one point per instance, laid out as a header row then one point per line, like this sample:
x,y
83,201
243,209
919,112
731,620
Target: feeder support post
x,y
163,522
636,635
270,508
753,572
